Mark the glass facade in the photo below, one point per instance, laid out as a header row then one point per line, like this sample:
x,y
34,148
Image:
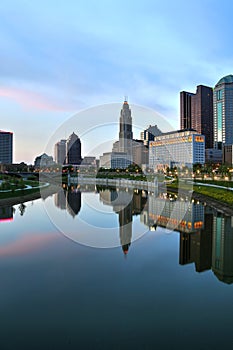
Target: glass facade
x,y
219,121
219,94
6,147
223,112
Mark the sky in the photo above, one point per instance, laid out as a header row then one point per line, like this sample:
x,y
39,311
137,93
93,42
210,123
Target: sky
x,y
62,58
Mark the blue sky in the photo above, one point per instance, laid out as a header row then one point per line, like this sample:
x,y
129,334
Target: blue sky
x,y
60,57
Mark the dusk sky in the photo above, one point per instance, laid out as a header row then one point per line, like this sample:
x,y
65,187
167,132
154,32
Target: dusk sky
x,y
60,57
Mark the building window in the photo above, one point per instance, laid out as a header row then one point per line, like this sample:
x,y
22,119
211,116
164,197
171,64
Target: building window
x,y
219,94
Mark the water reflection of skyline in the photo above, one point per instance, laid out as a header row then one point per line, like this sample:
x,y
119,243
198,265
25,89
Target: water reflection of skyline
x,y
68,200
6,213
125,204
205,235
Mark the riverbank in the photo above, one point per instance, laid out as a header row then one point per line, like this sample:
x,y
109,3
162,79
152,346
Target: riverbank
x,y
219,199
28,195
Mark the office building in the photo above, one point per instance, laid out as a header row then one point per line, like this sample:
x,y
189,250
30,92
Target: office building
x,y
228,155
6,147
177,148
140,153
185,110
89,161
43,161
73,150
115,160
125,132
105,160
149,134
223,112
213,155
60,152
120,160
196,112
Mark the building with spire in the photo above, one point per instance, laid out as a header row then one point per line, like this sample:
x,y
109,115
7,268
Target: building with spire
x,y
122,151
125,132
126,150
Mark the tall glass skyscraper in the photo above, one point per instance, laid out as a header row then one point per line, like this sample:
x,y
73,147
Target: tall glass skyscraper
x,y
223,112
73,150
196,112
6,147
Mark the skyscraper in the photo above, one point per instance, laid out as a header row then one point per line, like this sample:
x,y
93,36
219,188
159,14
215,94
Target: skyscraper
x,y
6,147
60,152
223,112
73,150
185,110
125,133
196,112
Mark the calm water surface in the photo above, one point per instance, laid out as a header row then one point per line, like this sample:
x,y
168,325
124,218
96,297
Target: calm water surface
x,y
154,288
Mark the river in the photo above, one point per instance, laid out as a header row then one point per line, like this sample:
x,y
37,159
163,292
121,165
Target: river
x,y
115,268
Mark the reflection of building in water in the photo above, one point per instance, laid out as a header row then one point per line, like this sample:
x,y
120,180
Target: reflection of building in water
x,y
196,247
125,203
206,237
6,213
68,200
73,202
125,223
122,203
222,253
193,223
177,214
60,199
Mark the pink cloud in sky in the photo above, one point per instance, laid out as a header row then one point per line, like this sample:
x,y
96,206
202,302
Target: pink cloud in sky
x,y
31,100
25,244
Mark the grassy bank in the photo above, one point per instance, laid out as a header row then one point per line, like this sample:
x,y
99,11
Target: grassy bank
x,y
222,195
19,193
217,182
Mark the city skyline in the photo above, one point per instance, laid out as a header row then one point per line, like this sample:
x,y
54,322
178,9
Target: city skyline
x,y
57,60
